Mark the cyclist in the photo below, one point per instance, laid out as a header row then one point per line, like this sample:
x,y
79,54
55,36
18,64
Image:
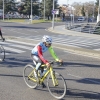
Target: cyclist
x,y
3,39
39,49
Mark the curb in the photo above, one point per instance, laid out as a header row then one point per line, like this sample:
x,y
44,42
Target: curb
x,y
68,32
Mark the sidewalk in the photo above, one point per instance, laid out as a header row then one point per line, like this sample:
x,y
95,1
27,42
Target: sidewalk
x,y
61,30
75,50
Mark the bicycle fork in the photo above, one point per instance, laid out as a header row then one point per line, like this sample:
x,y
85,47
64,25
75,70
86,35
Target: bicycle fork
x,y
54,79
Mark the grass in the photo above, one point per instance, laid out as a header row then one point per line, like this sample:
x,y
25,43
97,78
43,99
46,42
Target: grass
x,y
28,21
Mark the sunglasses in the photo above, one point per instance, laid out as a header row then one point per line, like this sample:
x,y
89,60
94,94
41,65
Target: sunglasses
x,y
48,43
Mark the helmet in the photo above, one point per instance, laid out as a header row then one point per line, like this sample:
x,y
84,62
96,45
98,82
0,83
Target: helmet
x,y
47,39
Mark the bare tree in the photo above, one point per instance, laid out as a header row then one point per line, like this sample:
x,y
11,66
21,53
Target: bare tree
x,y
78,8
89,8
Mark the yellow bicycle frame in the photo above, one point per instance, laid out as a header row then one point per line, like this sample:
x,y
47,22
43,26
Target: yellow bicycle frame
x,y
50,70
31,78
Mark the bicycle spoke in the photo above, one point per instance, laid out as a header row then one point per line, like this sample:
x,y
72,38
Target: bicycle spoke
x,y
59,90
29,77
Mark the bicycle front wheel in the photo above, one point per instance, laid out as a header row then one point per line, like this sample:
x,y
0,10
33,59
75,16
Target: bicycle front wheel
x,y
58,91
28,75
2,53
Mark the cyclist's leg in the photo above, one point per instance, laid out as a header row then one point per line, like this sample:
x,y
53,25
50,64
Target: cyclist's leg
x,y
2,36
37,62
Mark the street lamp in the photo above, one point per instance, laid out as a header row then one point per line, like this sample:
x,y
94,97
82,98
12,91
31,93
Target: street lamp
x,y
99,12
39,8
73,9
3,10
93,11
31,11
67,2
44,9
53,16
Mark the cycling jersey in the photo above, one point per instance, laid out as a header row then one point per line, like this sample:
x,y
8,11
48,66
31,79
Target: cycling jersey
x,y
40,48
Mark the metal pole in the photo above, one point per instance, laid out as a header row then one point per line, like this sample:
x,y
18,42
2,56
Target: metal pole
x,y
67,2
31,12
39,8
53,17
99,11
87,16
93,12
73,16
44,9
3,10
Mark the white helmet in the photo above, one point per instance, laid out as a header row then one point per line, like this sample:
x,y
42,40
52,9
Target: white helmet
x,y
47,39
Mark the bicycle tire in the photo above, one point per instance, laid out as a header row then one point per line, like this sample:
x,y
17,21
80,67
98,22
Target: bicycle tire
x,y
27,70
2,53
61,80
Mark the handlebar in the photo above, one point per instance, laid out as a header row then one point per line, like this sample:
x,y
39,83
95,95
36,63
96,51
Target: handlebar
x,y
55,62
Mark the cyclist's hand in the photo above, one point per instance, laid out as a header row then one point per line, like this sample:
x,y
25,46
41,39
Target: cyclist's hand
x,y
48,65
60,61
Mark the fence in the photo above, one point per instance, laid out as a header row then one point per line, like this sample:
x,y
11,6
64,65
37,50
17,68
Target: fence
x,y
84,27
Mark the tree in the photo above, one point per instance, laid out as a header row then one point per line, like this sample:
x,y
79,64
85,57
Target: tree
x,y
48,7
9,6
83,8
78,7
82,11
1,4
26,7
96,8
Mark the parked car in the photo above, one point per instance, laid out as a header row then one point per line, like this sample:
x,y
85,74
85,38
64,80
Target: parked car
x,y
81,19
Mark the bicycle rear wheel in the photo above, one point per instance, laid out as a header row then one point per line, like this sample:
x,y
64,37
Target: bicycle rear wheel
x,y
2,53
28,75
59,90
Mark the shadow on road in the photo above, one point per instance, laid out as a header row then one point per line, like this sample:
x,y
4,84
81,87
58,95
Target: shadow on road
x,y
87,95
77,64
25,27
15,62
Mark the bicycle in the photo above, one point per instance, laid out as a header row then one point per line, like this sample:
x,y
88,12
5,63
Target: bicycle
x,y
54,80
2,53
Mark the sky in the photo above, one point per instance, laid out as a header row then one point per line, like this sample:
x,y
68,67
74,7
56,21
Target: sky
x,y
72,1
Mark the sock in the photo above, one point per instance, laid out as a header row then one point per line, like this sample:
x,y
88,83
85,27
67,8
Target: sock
x,y
37,66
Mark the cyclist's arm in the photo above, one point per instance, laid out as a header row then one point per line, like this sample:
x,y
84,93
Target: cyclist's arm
x,y
53,53
41,55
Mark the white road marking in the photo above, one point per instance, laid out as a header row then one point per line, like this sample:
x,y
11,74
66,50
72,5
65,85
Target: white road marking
x,y
14,50
32,44
16,45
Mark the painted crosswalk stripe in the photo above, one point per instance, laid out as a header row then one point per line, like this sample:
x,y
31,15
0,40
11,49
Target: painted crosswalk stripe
x,y
32,44
18,46
12,49
69,40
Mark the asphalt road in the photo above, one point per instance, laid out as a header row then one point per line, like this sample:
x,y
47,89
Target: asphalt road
x,y
36,31
82,74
